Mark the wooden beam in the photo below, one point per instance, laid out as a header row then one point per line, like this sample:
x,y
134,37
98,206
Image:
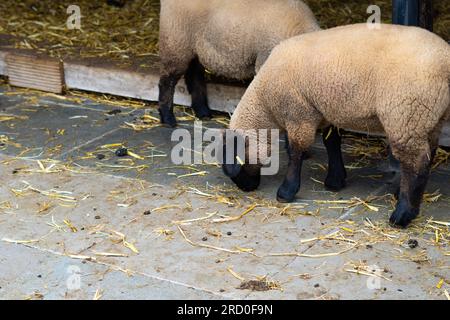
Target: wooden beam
x,y
138,85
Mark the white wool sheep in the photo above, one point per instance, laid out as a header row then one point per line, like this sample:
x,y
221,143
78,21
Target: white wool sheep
x,y
393,81
230,38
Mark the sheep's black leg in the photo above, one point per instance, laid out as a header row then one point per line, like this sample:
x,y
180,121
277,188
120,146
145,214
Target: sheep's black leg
x,y
286,142
196,84
394,164
167,85
336,176
412,187
396,189
291,183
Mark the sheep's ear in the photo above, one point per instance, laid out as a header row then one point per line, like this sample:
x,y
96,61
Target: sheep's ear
x,y
232,170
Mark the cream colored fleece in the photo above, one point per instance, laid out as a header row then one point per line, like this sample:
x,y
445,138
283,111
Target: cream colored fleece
x,y
232,38
393,80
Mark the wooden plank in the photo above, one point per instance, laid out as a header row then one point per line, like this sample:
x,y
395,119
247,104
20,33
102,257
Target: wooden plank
x,y
29,71
144,86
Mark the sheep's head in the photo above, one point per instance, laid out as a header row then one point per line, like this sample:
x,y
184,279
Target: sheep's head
x,y
236,164
246,177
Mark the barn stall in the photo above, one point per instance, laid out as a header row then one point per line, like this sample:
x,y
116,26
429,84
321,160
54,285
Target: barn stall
x,y
183,230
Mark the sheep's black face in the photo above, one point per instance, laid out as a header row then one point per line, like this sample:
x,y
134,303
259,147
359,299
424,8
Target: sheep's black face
x,y
246,177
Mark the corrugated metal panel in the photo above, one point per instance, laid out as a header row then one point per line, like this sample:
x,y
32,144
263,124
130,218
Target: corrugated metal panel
x,y
33,72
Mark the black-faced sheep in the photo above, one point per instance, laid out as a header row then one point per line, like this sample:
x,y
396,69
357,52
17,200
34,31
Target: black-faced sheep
x,y
393,81
230,38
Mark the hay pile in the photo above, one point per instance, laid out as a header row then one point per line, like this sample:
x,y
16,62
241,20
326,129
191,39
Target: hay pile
x,y
132,31
106,31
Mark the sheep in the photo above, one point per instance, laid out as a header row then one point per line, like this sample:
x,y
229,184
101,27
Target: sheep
x,y
230,38
393,81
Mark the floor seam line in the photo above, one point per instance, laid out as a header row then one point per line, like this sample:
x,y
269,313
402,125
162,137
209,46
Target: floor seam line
x,y
61,157
114,268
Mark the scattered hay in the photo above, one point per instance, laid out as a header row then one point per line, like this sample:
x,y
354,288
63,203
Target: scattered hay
x,y
98,294
214,197
164,232
235,274
353,202
293,211
64,196
364,147
36,295
189,221
194,244
110,254
235,218
5,141
447,295
146,122
432,197
20,241
420,257
9,117
79,96
363,269
70,225
442,158
306,255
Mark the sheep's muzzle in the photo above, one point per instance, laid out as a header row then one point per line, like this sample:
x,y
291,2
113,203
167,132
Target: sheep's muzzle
x,y
246,179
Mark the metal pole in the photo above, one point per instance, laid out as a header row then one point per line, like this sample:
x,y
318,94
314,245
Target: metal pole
x,y
405,12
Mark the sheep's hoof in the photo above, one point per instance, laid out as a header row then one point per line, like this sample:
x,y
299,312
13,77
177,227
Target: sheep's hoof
x,y
168,119
169,125
285,196
282,200
334,184
403,215
203,113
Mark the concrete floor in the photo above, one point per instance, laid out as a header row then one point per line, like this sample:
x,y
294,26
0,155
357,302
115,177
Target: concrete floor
x,y
73,226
